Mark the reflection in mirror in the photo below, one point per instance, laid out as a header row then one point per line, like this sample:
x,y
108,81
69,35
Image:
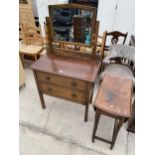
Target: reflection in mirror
x,y
73,25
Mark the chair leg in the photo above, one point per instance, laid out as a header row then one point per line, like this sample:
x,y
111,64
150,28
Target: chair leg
x,y
117,126
35,58
125,120
97,117
22,58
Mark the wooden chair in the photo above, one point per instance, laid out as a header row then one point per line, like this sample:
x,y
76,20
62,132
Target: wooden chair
x,y
32,44
32,35
115,35
131,121
113,100
120,61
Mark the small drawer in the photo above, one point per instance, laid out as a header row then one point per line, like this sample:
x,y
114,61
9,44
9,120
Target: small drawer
x,y
61,81
63,92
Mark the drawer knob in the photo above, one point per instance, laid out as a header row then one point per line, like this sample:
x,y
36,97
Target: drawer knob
x,y
74,84
73,94
49,89
47,78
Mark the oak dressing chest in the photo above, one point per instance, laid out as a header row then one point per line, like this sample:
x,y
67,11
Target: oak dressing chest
x,y
67,74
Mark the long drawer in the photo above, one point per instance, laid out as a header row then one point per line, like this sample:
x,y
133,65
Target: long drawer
x,y
63,92
61,81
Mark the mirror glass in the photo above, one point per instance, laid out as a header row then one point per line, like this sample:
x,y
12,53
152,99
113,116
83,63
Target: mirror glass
x,y
72,25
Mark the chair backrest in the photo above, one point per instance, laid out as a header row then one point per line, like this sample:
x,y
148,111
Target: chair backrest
x,y
31,35
115,35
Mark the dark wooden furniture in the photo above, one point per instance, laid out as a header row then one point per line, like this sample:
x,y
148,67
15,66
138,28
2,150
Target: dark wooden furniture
x,y
123,66
67,78
114,100
64,73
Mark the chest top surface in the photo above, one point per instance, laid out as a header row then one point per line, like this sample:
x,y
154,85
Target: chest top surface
x,y
85,70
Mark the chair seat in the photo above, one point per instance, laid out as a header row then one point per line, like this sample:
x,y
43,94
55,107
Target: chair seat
x,y
30,49
118,70
114,96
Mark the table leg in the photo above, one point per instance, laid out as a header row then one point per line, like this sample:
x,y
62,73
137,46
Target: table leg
x,y
21,58
39,92
89,100
97,118
86,112
42,100
117,126
35,58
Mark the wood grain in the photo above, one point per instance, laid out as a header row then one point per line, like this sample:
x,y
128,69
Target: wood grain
x,y
68,67
114,96
63,92
61,81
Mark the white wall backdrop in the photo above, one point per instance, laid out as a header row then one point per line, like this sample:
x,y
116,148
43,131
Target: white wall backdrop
x,y
42,6
112,14
117,15
106,14
34,6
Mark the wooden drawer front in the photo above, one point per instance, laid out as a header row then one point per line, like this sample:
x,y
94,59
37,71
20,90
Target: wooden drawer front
x,y
62,92
62,81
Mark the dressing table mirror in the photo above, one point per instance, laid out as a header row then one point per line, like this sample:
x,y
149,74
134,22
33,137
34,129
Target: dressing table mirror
x,y
72,23
67,73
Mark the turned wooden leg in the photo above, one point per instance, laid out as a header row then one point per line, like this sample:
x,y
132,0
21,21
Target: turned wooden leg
x,y
39,92
22,59
117,126
97,117
35,58
42,100
86,112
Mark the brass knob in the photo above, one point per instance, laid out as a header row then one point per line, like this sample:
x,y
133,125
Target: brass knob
x,y
49,89
73,94
74,84
47,78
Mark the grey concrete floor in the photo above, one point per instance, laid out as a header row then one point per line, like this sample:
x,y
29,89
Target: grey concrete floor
x,y
60,128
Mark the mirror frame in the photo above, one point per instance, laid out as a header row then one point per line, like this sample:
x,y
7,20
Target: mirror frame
x,y
75,6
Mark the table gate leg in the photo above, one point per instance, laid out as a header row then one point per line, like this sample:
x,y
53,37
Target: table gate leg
x,y
117,126
97,118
